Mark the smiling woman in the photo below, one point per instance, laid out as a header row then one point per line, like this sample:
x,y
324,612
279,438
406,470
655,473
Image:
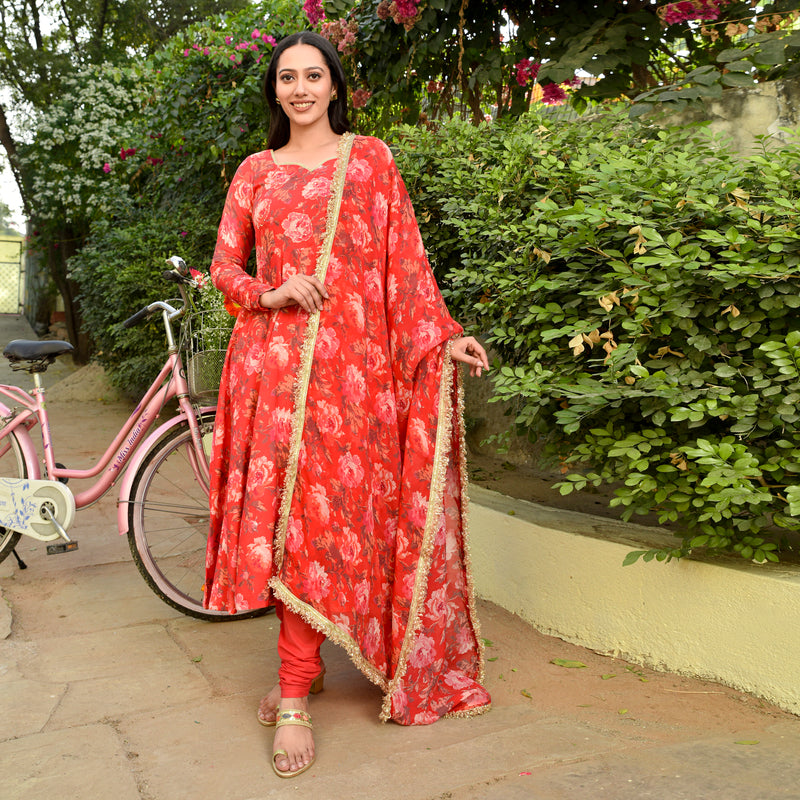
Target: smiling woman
x,y
337,474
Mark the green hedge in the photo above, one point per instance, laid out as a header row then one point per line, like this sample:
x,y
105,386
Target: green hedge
x,y
119,271
641,288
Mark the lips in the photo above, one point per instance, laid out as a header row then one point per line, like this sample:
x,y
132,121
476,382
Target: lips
x,y
302,106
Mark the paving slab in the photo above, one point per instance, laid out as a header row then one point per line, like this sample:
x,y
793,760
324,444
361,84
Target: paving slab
x,y
78,764
116,672
28,706
86,600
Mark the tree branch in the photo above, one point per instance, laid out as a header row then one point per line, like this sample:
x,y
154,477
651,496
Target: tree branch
x,y
70,27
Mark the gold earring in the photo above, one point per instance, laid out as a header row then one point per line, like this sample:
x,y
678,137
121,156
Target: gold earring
x,y
277,101
334,96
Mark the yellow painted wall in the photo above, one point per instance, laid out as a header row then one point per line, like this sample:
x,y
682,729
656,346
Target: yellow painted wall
x,y
733,621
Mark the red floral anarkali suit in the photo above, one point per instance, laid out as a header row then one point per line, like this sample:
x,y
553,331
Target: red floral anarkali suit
x,y
344,496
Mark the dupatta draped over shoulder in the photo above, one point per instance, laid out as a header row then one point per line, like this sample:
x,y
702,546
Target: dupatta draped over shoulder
x,y
338,480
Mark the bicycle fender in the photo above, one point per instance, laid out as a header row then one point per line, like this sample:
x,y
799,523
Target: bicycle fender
x,y
26,445
126,487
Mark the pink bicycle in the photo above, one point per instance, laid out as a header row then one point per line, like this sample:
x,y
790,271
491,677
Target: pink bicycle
x,y
163,491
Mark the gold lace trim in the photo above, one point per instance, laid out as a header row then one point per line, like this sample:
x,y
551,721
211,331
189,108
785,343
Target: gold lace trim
x,y
307,349
465,532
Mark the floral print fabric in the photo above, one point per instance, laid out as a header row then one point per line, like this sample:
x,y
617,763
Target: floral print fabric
x,y
373,552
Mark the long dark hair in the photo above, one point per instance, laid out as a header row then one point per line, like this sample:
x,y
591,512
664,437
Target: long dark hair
x,y
337,110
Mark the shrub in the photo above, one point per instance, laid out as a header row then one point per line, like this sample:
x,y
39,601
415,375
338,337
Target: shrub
x,y
119,272
641,286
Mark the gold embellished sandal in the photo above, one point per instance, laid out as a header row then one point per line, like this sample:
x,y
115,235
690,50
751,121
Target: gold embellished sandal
x,y
291,716
317,685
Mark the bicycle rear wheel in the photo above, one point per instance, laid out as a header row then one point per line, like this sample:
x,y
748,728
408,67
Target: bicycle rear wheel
x,y
169,520
12,465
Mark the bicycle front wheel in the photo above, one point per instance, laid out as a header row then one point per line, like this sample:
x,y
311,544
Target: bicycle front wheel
x,y
12,465
169,521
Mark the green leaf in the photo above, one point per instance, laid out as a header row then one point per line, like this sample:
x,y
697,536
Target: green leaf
x,y
633,557
562,662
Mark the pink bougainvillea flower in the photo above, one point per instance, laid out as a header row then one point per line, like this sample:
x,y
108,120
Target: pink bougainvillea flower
x,y
106,167
206,51
228,40
314,11
553,94
268,39
527,71
256,34
700,10
186,52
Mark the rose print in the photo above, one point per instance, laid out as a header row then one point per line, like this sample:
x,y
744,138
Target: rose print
x,y
297,226
329,419
362,597
317,504
327,343
359,170
354,387
385,409
317,187
260,551
350,471
372,286
278,351
316,583
424,652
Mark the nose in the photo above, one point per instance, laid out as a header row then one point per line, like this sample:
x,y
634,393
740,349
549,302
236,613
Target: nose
x,y
300,87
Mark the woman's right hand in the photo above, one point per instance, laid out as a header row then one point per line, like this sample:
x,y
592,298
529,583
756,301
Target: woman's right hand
x,y
305,291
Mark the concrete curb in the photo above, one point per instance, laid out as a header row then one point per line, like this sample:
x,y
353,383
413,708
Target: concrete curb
x,y
727,621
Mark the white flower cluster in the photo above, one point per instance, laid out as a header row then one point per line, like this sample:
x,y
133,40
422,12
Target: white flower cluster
x,y
75,137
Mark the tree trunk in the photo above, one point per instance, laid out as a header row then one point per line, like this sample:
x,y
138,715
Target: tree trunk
x,y
61,247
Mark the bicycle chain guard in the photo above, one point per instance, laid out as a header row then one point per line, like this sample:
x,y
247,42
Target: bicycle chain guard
x,y
36,508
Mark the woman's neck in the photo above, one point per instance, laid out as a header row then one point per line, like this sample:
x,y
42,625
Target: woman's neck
x,y
310,140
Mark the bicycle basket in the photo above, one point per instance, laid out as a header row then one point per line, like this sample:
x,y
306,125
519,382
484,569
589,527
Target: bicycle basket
x,y
204,340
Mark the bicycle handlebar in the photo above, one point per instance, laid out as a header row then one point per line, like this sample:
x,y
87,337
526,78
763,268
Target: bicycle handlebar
x,y
137,317
176,275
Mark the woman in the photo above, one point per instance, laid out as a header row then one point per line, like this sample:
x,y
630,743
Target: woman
x,y
337,488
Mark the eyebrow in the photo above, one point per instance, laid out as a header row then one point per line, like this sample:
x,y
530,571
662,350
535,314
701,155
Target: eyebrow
x,y
307,69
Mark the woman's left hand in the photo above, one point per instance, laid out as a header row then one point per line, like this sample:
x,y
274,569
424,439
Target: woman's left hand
x,y
469,350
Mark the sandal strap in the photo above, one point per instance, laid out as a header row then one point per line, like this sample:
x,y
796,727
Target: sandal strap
x,y
293,716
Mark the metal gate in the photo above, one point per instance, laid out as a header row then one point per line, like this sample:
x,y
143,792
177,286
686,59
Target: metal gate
x,y
10,274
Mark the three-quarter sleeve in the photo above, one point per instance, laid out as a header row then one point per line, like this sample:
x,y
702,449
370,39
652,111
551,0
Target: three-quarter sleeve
x,y
235,240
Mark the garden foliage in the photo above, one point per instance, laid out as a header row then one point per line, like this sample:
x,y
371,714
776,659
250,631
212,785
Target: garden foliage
x,y
640,286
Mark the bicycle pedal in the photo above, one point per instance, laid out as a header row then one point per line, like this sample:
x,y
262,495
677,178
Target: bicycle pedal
x,y
61,547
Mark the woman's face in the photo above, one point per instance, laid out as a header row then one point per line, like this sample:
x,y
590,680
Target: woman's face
x,y
303,85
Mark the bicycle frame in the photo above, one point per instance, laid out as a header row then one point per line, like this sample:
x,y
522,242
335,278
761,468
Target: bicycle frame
x,y
170,383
